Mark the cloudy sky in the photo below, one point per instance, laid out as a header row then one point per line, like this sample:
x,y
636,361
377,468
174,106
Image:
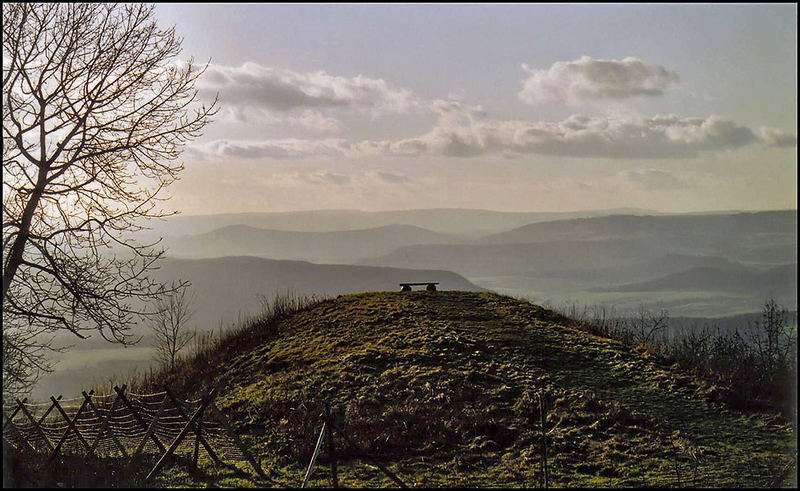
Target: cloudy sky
x,y
504,107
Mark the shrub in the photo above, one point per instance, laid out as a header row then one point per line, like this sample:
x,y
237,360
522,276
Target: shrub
x,y
757,370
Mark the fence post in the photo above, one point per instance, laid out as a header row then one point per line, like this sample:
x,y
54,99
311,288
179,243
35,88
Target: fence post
x,y
182,412
70,427
35,424
197,414
236,440
137,417
322,434
150,430
10,424
104,425
47,413
14,413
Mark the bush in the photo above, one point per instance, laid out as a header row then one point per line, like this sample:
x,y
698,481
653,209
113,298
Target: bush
x,y
757,370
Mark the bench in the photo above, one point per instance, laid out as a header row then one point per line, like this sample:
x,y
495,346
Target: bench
x,y
431,286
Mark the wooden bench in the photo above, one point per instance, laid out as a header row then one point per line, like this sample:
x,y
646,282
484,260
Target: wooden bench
x,y
406,287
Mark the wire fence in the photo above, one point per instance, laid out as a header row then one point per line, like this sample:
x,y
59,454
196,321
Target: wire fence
x,y
124,425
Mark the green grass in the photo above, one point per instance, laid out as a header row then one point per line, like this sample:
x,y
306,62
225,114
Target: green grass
x,y
442,388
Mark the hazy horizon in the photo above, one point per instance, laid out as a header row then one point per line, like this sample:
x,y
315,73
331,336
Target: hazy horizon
x,y
362,210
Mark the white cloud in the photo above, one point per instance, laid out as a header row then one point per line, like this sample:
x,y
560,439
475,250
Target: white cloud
x,y
249,90
315,121
326,177
268,149
588,79
464,131
576,136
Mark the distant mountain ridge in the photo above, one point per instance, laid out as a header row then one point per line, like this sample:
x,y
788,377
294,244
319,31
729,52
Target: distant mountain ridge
x,y
226,287
470,222
346,246
632,226
780,279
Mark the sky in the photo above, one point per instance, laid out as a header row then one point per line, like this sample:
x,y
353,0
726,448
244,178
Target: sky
x,y
506,107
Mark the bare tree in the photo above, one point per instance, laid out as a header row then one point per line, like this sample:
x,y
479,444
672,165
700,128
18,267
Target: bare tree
x,y
96,112
647,324
170,325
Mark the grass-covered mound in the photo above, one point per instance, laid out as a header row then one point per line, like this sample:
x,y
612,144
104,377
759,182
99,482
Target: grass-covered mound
x,y
442,387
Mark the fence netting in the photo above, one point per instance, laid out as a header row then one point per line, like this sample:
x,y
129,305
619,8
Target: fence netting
x,y
44,426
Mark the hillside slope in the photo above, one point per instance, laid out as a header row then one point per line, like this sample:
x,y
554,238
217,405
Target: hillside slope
x,y
442,387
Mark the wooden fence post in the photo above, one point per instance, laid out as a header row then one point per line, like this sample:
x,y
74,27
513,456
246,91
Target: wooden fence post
x,y
150,430
206,401
47,413
182,412
70,427
104,425
14,413
9,424
138,418
35,425
216,414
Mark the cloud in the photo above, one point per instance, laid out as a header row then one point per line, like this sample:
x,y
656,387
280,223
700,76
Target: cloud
x,y
268,149
577,136
326,177
655,180
463,131
249,90
316,121
588,79
777,138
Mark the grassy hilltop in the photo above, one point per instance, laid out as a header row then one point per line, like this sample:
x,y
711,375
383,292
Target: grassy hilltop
x,y
442,387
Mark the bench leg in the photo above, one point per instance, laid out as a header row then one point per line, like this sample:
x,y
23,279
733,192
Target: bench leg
x,y
431,288
405,288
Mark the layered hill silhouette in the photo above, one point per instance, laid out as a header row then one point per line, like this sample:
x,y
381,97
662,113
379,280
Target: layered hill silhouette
x,y
773,281
461,221
226,288
346,246
627,249
443,388
718,231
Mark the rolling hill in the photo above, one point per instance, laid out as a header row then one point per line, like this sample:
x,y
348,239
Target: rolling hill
x,y
443,388
459,221
715,232
347,246
780,281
